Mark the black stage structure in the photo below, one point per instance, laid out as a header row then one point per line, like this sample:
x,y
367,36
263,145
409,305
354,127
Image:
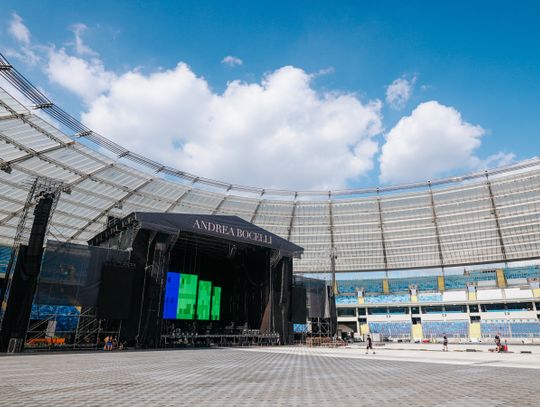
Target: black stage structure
x,y
252,266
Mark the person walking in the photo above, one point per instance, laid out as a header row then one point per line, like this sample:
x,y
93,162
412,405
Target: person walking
x,y
369,344
445,343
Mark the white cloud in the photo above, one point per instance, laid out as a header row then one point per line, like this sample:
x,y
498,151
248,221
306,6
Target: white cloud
x,y
21,33
231,61
86,78
499,159
399,92
80,47
432,142
279,132
18,30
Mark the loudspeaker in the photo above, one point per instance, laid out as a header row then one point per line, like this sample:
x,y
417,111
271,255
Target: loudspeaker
x,y
115,291
299,309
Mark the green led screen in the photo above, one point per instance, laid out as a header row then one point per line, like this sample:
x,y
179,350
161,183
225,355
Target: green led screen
x,y
216,304
203,300
187,297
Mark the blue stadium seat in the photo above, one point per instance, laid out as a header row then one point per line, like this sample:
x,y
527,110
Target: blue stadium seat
x,y
430,297
391,329
66,316
452,329
369,286
5,254
387,299
346,299
511,329
453,282
522,272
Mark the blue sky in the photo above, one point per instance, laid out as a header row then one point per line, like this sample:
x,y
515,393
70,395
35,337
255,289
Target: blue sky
x,y
476,64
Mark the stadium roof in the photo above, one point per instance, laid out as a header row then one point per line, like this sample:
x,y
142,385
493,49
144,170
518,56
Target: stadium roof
x,y
486,217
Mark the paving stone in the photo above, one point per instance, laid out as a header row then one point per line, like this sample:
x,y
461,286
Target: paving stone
x,y
242,377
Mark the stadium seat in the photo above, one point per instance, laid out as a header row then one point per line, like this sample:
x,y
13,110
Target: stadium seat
x,y
391,329
452,329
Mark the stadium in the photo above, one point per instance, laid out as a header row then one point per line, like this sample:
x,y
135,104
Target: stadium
x,y
97,241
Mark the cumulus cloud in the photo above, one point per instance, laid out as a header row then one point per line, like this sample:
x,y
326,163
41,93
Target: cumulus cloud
x,y
279,132
18,30
231,61
399,92
432,142
86,78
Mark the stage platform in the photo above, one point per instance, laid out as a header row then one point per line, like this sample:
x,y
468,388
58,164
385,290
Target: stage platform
x,y
275,376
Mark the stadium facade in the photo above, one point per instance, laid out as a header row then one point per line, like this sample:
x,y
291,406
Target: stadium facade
x,y
488,217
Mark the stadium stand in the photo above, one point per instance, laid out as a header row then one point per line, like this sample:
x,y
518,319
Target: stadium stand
x,y
453,282
346,299
522,272
387,299
391,329
511,329
397,285
452,329
5,254
369,286
518,297
430,297
66,316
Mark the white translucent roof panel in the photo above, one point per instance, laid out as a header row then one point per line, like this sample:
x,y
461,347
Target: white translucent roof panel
x,y
467,220
11,103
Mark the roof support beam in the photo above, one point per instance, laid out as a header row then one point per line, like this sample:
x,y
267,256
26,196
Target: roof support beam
x,y
383,242
333,250
13,116
178,200
293,213
437,235
220,204
256,211
109,208
67,185
496,216
35,153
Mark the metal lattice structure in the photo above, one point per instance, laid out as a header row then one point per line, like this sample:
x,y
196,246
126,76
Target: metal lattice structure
x,y
485,217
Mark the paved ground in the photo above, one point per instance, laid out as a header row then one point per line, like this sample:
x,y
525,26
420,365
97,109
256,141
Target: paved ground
x,y
270,376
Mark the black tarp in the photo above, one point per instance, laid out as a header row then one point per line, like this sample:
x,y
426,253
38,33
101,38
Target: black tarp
x,y
230,228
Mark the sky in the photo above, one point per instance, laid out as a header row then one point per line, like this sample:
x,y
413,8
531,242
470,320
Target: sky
x,y
296,95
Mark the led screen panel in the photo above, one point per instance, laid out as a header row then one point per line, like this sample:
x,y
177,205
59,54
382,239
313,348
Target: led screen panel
x,y
170,304
216,304
187,297
203,300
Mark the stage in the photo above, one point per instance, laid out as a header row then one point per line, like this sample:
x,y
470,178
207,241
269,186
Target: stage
x,y
198,276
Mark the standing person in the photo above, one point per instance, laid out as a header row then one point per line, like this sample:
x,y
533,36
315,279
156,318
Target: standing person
x,y
106,343
445,343
369,344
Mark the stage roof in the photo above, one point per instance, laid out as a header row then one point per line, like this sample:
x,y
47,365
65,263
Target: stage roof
x,y
230,228
486,217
